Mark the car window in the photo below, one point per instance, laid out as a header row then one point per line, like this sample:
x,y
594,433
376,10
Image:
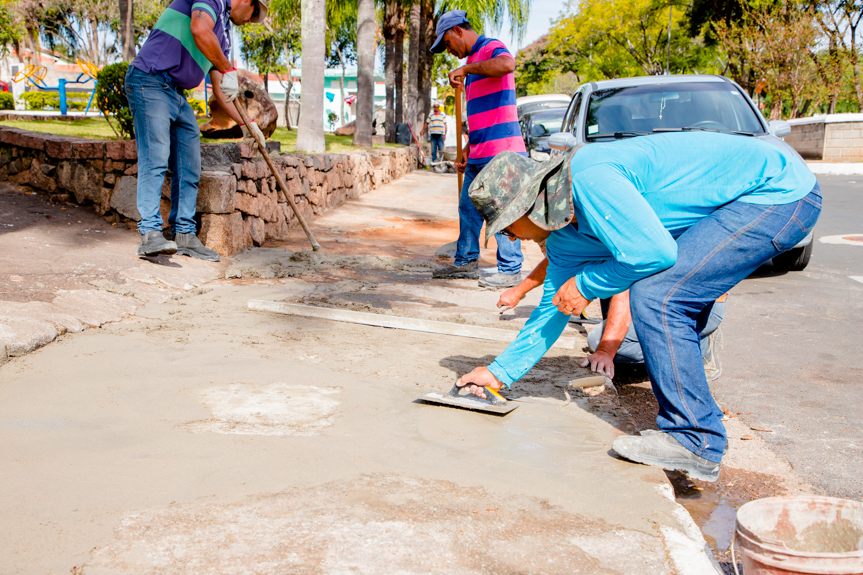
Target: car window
x,y
572,114
545,127
670,106
538,106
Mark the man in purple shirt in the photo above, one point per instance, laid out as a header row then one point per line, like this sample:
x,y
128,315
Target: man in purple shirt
x,y
190,39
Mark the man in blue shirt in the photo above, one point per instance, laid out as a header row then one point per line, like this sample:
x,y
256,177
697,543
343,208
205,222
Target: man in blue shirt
x,y
190,39
679,219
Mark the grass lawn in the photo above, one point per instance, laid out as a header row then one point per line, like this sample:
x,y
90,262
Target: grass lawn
x,y
98,129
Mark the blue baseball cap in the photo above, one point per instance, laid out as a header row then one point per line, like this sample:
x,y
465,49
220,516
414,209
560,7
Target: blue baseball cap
x,y
449,20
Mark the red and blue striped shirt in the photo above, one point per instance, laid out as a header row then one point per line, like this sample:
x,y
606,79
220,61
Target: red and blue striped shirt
x,y
491,113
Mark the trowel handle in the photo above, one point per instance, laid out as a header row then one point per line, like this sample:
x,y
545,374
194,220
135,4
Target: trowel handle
x,y
493,397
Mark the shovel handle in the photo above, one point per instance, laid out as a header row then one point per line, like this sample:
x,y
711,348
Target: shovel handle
x,y
458,149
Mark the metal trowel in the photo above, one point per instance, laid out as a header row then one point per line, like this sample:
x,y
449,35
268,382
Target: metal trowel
x,y
496,403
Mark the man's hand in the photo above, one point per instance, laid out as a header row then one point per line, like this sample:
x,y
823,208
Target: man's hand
x,y
510,298
568,299
477,380
600,362
230,85
461,165
456,78
252,135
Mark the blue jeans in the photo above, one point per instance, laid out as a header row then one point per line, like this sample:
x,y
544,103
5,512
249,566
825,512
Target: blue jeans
x,y
630,348
668,308
470,224
167,135
436,145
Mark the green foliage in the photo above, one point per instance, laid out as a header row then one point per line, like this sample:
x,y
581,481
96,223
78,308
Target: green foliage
x,y
111,98
11,30
42,100
332,118
7,101
197,105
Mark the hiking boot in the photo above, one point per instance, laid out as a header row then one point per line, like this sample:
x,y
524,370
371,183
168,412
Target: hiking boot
x,y
712,367
663,450
154,244
655,431
470,271
190,245
500,281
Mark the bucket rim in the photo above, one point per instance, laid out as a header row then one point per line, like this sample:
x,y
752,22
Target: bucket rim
x,y
781,545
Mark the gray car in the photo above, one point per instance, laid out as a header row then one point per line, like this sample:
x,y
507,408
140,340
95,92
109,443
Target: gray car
x,y
632,107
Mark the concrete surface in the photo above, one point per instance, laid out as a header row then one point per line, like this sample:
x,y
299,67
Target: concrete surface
x,y
792,359
197,436
836,168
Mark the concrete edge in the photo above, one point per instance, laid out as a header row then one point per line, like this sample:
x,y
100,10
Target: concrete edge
x,y
836,168
686,548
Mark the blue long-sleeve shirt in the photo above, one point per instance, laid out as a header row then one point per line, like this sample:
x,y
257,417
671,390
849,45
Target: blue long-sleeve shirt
x,y
632,199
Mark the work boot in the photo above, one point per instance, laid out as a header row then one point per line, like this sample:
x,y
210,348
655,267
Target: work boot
x,y
154,244
500,281
190,245
663,450
655,431
470,271
712,367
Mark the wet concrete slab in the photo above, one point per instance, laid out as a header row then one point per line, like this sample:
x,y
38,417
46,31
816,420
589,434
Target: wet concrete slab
x,y
198,436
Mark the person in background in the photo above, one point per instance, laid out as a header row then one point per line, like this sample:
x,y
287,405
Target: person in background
x,y
489,84
436,124
190,39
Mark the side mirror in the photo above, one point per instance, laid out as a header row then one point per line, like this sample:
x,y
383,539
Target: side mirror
x,y
780,128
562,141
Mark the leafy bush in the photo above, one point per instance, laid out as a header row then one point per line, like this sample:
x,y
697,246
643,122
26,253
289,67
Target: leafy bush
x,y
197,106
41,100
7,101
111,98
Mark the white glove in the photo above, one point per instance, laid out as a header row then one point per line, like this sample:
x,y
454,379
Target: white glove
x,y
252,136
230,85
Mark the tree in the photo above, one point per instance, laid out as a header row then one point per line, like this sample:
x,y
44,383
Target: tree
x,y
412,92
11,31
127,29
342,26
393,33
310,133
365,73
284,15
82,28
263,48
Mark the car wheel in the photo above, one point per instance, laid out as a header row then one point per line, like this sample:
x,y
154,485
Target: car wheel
x,y
794,260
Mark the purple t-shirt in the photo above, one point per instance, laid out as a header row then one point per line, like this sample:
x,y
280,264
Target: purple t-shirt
x,y
171,48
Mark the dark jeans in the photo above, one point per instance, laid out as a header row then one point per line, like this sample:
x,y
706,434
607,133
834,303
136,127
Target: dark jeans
x,y
470,224
670,309
630,348
436,146
166,135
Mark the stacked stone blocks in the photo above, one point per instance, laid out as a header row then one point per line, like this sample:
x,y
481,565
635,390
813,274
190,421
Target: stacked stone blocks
x,y
239,203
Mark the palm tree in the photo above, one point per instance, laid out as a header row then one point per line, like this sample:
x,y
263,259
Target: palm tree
x,y
365,73
310,131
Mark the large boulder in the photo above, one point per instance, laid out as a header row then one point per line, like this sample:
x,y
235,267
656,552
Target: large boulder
x,y
259,106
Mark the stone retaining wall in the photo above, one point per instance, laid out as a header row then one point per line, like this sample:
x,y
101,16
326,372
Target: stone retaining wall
x,y
238,202
831,138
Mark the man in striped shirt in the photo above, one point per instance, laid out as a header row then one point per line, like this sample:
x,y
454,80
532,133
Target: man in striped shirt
x,y
190,39
436,124
489,86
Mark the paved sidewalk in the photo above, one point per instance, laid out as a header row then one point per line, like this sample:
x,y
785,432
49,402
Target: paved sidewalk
x,y
197,436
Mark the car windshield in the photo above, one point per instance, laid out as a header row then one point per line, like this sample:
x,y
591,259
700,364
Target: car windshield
x,y
546,123
641,110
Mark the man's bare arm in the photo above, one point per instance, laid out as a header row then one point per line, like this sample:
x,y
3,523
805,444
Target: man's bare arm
x,y
230,109
616,326
494,68
510,298
207,42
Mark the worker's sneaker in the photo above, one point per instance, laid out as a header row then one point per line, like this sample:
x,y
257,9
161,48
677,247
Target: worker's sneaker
x,y
655,431
190,245
154,244
712,367
663,450
500,281
470,271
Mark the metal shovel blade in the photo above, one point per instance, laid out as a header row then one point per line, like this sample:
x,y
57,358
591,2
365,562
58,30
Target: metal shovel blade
x,y
472,402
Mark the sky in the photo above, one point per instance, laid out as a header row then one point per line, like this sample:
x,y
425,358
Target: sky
x,y
542,12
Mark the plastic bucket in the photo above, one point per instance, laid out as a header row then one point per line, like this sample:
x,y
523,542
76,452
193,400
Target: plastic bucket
x,y
801,534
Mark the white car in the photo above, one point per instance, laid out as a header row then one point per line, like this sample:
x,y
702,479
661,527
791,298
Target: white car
x,y
632,107
527,104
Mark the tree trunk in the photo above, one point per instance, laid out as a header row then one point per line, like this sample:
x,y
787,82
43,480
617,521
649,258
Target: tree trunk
x,y
855,66
399,66
365,73
310,132
426,58
342,103
412,91
390,121
127,30
33,45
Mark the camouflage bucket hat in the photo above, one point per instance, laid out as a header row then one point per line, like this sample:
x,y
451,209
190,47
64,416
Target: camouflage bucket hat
x,y
512,185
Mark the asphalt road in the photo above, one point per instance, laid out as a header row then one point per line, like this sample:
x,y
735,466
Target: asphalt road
x,y
793,355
